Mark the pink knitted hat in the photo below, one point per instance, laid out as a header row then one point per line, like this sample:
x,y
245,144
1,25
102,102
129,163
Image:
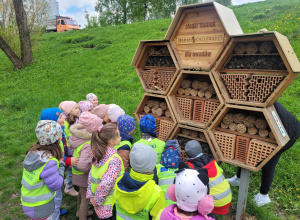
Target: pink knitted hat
x,y
67,106
114,111
85,106
90,121
101,110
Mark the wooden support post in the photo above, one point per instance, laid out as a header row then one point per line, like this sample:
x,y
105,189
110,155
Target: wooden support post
x,y
243,192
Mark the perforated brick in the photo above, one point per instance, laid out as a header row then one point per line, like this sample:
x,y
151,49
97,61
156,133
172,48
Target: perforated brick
x,y
186,106
164,78
241,149
237,85
209,109
164,129
258,151
148,77
157,125
261,87
198,111
226,143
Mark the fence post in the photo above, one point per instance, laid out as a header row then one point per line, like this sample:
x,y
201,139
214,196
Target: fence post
x,y
243,192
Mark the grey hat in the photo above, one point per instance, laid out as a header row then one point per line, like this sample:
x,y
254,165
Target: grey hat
x,y
143,158
48,132
193,148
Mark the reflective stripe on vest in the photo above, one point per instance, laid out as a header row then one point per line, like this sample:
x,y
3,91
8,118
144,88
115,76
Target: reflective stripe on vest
x,y
165,181
96,180
32,199
122,143
217,181
32,187
124,216
222,195
75,170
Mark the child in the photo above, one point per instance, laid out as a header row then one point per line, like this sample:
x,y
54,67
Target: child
x,y
170,159
101,112
55,114
80,141
43,171
71,110
85,106
114,111
191,193
218,185
91,97
147,127
136,195
106,167
126,126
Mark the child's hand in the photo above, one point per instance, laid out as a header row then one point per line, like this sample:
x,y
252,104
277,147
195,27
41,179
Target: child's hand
x,y
93,201
74,161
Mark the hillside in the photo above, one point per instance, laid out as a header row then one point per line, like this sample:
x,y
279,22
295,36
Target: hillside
x,y
69,65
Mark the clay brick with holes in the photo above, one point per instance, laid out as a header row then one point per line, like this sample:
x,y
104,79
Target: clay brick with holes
x,y
198,111
157,125
186,106
164,129
241,149
209,110
258,151
148,77
237,85
226,143
261,87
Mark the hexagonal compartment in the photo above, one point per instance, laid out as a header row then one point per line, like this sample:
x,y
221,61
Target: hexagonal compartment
x,y
199,33
159,107
255,69
195,98
155,65
247,137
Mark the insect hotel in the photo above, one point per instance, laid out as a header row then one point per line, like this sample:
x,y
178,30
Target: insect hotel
x,y
207,81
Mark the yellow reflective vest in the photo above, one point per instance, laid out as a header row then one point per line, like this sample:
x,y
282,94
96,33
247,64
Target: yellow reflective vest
x,y
75,170
156,144
122,143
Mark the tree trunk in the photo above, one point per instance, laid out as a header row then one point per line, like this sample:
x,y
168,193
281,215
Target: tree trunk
x,y
10,54
26,52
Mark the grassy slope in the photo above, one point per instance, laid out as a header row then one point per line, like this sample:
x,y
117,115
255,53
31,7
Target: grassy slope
x,y
65,70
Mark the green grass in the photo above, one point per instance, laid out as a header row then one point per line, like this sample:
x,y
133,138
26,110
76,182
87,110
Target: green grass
x,y
69,65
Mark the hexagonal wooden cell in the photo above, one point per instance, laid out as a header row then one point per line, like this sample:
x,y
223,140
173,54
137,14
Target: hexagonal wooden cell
x,y
199,33
255,69
195,98
247,137
185,133
159,107
155,65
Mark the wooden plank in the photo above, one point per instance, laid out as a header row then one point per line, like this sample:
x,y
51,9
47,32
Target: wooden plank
x,y
273,72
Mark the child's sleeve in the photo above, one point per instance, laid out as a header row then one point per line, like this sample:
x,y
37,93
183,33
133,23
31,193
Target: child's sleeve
x,y
108,180
85,159
89,190
124,154
53,176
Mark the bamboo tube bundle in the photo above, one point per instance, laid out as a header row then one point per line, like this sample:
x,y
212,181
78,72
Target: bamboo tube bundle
x,y
251,48
263,133
271,135
239,48
252,130
211,89
241,128
249,121
180,91
208,94
228,118
204,86
147,109
194,134
232,126
238,118
266,47
261,123
168,113
186,132
186,83
201,93
163,105
223,125
196,84
194,92
187,91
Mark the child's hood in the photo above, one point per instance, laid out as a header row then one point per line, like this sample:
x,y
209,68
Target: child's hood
x,y
79,135
109,153
35,160
126,137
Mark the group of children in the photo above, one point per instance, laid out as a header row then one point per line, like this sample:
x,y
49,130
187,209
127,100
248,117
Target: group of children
x,y
92,147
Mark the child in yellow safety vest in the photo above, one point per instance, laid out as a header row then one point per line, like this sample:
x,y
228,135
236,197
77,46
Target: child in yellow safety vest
x,y
170,159
80,141
218,185
43,172
106,167
137,197
126,126
147,127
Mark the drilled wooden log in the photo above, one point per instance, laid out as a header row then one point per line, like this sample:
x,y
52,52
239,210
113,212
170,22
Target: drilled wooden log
x,y
154,108
168,113
196,84
208,94
159,112
261,123
232,126
156,103
180,91
228,118
241,128
223,125
266,47
202,136
194,134
163,105
186,83
271,135
150,103
249,121
238,118
252,130
186,132
187,91
194,92
239,48
204,86
211,89
201,93
147,109
263,133
251,48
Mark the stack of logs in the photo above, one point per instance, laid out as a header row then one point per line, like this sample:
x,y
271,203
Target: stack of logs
x,y
196,88
243,123
157,107
266,47
159,56
193,134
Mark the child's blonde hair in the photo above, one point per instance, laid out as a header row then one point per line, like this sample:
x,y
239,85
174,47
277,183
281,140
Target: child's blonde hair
x,y
100,140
